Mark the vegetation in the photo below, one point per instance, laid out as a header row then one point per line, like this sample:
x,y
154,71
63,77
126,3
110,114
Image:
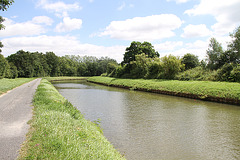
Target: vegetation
x,y
202,89
4,5
59,131
35,64
8,84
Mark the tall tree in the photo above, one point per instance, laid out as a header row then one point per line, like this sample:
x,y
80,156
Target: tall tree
x,y
214,54
234,47
137,48
190,61
4,5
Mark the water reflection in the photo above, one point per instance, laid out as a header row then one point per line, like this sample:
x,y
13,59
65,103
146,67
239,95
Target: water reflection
x,y
151,126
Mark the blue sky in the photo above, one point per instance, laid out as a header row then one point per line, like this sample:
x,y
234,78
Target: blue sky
x,y
106,28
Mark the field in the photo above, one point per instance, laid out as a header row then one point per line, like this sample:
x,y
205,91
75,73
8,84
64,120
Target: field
x,y
226,92
9,84
59,131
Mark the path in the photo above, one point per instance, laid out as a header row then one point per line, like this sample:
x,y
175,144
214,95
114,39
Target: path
x,y
15,112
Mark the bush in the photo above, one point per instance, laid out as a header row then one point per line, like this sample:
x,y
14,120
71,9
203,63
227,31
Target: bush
x,y
235,74
197,74
223,74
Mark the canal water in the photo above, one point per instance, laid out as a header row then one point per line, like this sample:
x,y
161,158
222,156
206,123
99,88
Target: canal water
x,y
148,126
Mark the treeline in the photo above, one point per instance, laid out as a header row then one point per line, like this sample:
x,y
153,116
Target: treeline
x,y
35,64
142,61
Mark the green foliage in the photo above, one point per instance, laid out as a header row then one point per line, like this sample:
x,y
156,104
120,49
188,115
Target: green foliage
x,y
197,74
223,74
171,66
137,48
190,61
4,66
235,74
59,131
214,54
4,4
234,47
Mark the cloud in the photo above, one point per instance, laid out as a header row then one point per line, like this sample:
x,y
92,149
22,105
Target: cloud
x,y
28,28
155,27
123,5
58,6
226,13
60,45
69,24
42,20
194,31
168,45
179,1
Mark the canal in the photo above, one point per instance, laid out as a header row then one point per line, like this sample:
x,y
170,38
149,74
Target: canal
x,y
148,126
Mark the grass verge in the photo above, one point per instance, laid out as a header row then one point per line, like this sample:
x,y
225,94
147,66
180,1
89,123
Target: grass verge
x,y
64,78
59,131
226,92
9,84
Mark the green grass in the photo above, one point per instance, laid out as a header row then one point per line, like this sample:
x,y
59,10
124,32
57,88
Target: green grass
x,y
59,131
8,84
201,88
63,78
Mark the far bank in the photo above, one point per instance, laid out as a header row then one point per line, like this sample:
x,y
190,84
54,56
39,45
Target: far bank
x,y
222,92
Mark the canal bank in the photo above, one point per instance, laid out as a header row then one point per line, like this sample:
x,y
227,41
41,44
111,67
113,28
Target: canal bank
x,y
221,92
144,125
59,131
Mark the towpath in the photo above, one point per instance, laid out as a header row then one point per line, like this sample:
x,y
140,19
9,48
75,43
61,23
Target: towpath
x,y
15,112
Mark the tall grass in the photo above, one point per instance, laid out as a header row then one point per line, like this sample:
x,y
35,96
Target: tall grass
x,y
59,131
8,84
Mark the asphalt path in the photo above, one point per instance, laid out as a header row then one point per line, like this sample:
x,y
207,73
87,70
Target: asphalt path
x,y
15,112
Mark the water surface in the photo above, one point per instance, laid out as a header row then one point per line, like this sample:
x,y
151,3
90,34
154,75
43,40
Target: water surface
x,y
148,126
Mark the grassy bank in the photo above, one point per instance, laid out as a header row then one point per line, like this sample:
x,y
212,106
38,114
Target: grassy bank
x,y
8,84
64,78
59,131
214,91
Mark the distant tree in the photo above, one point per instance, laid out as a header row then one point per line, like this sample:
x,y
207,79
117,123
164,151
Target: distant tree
x,y
214,55
137,48
3,66
190,61
53,64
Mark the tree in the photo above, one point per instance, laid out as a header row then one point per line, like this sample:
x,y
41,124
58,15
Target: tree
x,y
137,48
190,61
53,63
3,66
234,47
4,5
171,66
214,55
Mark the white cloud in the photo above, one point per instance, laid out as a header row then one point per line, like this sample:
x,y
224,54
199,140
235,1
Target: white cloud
x,y
193,31
42,20
225,12
60,45
58,6
155,27
69,24
179,1
168,45
91,1
28,28
123,5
